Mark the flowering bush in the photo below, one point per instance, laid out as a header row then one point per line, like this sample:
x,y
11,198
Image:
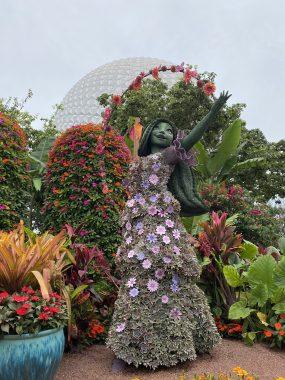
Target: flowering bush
x,y
256,221
27,312
83,184
14,177
92,290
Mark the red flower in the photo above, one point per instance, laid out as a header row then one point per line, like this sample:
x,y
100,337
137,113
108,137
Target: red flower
x,y
163,68
3,296
154,72
99,149
282,316
278,326
267,333
173,69
28,290
55,295
200,83
117,99
281,332
22,310
255,212
43,317
188,74
209,88
53,310
17,298
35,299
136,85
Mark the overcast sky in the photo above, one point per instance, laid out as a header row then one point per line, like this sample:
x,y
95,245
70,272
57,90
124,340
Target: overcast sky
x,y
48,45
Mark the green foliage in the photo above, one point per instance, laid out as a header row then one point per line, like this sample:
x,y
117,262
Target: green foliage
x,y
83,185
14,176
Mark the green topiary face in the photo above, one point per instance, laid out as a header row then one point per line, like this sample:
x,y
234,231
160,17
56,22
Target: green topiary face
x,y
161,135
83,184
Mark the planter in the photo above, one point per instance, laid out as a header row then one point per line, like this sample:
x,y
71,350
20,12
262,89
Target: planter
x,y
31,357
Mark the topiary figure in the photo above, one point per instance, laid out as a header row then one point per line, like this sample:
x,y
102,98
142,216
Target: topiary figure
x,y
15,181
83,184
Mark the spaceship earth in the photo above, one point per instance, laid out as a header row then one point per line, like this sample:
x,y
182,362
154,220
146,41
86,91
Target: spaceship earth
x,y
80,104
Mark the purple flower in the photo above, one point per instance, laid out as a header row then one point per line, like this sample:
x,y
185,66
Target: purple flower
x,y
166,239
94,184
129,240
170,209
166,259
139,225
159,273
169,223
151,238
164,299
131,254
176,250
174,288
140,232
130,202
156,166
152,285
175,279
141,201
86,202
135,210
155,249
175,313
153,198
153,178
145,184
176,234
152,210
140,256
162,213
128,226
167,199
82,232
160,230
146,264
137,196
131,282
120,327
1,121
3,207
133,292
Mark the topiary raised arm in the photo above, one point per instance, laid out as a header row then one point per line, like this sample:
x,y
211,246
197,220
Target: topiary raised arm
x,y
197,132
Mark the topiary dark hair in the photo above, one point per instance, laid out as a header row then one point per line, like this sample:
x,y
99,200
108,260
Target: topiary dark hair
x,y
182,182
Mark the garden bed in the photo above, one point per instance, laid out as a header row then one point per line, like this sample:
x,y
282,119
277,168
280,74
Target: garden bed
x,y
96,362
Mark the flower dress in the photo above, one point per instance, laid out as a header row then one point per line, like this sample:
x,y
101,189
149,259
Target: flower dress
x,y
161,316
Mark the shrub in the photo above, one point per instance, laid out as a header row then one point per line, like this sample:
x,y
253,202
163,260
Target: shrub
x,y
83,184
256,220
14,178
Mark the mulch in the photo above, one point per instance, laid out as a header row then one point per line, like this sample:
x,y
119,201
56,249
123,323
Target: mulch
x,y
95,363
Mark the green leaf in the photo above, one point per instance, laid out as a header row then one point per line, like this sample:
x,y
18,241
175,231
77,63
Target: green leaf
x,y
278,295
249,338
202,158
232,276
227,168
37,183
249,250
78,291
281,244
279,275
279,308
261,272
206,261
248,164
239,310
258,295
5,327
226,149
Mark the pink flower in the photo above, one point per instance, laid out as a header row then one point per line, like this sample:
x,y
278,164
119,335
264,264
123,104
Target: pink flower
x,y
164,299
99,149
154,72
160,230
175,313
120,327
176,250
167,199
169,223
131,254
153,178
141,201
209,88
128,226
255,212
107,114
166,239
159,273
140,232
155,249
176,234
152,285
188,74
86,202
129,240
117,100
167,259
152,210
130,203
146,264
131,282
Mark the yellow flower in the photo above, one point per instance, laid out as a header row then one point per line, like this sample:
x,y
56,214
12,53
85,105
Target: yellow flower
x,y
240,371
280,378
249,378
182,376
135,378
223,376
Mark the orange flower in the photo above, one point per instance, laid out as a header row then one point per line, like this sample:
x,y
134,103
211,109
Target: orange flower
x,y
267,333
209,88
281,332
5,160
278,326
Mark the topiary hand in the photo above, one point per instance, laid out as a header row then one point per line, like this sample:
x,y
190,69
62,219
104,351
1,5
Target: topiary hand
x,y
221,101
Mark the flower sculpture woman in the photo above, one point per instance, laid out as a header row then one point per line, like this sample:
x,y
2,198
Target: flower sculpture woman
x,y
161,316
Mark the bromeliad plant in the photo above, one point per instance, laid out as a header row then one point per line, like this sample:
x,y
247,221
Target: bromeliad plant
x,y
27,312
28,259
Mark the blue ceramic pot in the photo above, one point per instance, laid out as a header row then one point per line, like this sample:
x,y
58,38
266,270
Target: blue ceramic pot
x,y
31,357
